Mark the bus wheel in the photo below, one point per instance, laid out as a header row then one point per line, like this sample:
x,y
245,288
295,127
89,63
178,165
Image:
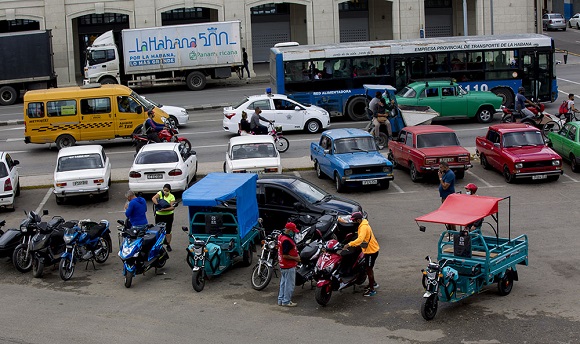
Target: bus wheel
x,y
356,109
506,94
64,141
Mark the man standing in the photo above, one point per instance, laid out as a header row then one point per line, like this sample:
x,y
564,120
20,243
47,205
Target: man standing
x,y
446,181
288,258
370,248
255,125
136,209
246,63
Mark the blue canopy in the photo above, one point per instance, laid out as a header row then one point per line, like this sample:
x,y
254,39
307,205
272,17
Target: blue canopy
x,y
216,188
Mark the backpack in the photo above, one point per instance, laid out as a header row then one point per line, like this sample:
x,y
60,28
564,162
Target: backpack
x,y
563,108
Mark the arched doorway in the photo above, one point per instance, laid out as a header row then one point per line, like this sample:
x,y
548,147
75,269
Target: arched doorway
x,y
18,25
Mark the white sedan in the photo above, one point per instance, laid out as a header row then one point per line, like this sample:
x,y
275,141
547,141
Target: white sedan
x,y
82,170
286,112
9,181
178,115
163,163
574,21
252,153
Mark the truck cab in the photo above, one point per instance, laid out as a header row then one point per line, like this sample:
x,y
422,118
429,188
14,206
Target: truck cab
x,y
103,63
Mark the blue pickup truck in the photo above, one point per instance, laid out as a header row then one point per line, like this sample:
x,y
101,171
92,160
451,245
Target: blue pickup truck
x,y
351,158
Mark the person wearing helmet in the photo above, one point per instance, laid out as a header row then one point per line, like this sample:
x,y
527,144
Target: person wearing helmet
x,y
471,189
370,248
521,102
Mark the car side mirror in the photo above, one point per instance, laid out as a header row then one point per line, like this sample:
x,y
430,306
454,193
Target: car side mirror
x,y
496,144
422,228
45,212
297,108
184,228
139,110
327,151
16,162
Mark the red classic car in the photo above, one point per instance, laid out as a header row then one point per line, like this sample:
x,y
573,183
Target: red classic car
x,y
421,148
518,151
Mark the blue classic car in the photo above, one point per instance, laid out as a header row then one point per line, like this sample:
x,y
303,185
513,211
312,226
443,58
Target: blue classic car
x,y
350,157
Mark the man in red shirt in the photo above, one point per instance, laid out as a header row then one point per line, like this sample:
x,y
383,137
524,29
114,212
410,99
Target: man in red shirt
x,y
288,258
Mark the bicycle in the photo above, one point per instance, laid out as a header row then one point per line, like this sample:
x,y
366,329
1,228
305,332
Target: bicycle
x,y
558,122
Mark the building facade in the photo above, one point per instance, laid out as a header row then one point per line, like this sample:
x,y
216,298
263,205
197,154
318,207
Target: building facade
x,y
76,23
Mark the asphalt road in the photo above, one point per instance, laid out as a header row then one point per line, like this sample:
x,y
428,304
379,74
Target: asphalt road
x,y
95,306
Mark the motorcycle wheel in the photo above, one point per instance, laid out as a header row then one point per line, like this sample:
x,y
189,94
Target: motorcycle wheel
x,y
37,267
506,283
323,295
198,280
128,279
382,141
161,262
186,143
261,279
21,263
104,246
282,144
65,269
429,307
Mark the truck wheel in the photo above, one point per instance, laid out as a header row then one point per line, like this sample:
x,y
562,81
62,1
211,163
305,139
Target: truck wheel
x,y
485,115
8,95
506,94
64,141
196,81
356,109
108,81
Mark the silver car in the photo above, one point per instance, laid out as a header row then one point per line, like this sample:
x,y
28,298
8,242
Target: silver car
x,y
553,21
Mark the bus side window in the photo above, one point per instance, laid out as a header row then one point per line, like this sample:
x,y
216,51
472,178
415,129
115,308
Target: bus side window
x,y
35,110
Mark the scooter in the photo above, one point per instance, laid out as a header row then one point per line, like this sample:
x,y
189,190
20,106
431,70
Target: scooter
x,y
267,262
336,270
141,249
196,255
308,258
437,276
20,239
86,242
47,245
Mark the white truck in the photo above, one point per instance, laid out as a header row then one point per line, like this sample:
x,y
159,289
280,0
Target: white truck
x,y
167,55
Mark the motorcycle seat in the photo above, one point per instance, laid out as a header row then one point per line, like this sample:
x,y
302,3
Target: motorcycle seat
x,y
149,240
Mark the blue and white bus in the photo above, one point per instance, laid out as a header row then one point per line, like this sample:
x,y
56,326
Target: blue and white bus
x,y
332,76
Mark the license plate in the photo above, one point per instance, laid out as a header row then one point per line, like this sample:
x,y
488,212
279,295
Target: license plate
x,y
81,182
369,182
447,159
541,176
155,176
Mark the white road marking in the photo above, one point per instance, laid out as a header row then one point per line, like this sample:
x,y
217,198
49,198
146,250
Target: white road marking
x,y
16,152
14,140
397,187
12,128
480,179
570,81
572,179
44,200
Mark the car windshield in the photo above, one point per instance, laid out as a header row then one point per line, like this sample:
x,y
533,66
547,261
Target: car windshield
x,y
3,170
253,150
523,138
157,157
79,162
308,191
407,92
148,105
355,144
437,140
241,103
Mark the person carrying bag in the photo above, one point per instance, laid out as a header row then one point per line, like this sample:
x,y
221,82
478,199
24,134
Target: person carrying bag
x,y
165,204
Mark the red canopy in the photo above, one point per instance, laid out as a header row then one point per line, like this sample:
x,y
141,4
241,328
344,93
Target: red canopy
x,y
461,210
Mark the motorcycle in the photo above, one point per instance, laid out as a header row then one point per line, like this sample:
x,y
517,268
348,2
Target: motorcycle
x,y
434,277
196,255
141,249
312,228
86,242
168,134
336,270
267,263
383,139
544,121
308,258
47,245
20,240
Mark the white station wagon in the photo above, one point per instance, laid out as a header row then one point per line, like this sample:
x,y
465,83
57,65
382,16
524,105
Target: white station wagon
x,y
252,153
286,112
82,170
9,181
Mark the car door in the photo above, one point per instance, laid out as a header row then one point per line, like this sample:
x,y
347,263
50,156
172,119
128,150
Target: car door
x,y
493,156
188,162
97,118
279,205
569,142
430,96
452,102
289,114
12,171
324,161
397,147
107,164
406,149
558,139
127,119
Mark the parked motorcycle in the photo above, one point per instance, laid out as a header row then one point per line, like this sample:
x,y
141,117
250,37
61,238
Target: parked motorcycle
x,y
86,242
308,258
20,239
141,249
437,276
47,245
337,269
196,256
267,263
7,243
312,228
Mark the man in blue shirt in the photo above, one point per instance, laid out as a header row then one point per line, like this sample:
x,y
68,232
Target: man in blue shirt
x,y
136,209
446,181
521,102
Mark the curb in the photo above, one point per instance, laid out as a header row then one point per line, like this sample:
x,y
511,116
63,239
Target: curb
x,y
12,122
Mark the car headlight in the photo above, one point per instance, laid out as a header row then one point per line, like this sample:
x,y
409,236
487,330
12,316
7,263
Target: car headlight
x,y
347,172
555,162
184,112
386,169
430,161
519,165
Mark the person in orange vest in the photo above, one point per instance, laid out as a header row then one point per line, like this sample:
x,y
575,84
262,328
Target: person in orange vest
x,y
288,258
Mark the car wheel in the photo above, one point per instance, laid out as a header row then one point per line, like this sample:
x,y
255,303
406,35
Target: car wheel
x,y
313,126
483,161
108,81
564,29
173,121
509,177
338,183
64,141
392,159
319,173
224,167
578,26
573,164
485,115
415,175
384,184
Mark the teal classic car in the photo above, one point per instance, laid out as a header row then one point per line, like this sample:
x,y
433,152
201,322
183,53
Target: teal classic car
x,y
566,143
451,100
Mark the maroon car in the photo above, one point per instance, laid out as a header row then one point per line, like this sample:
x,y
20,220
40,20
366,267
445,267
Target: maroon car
x,y
518,151
421,148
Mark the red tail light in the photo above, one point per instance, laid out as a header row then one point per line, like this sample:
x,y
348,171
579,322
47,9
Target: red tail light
x,y
134,174
8,185
60,185
230,115
176,172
